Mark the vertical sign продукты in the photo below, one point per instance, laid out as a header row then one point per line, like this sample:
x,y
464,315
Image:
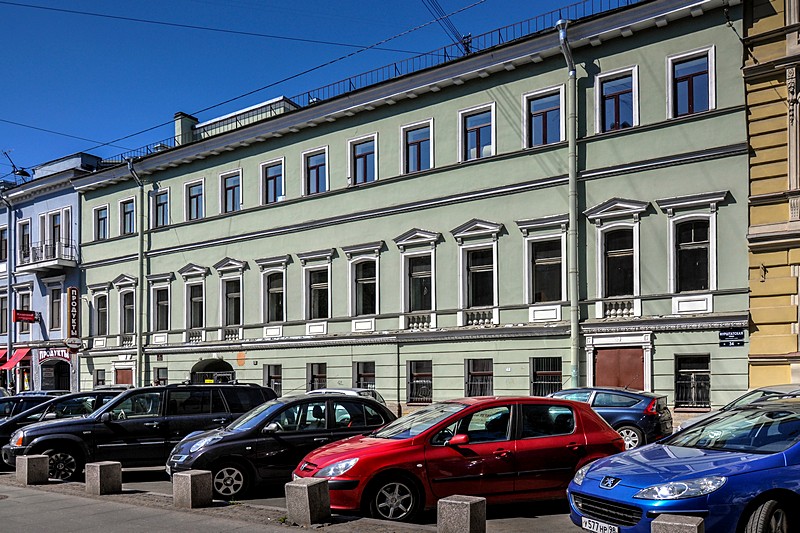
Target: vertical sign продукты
x,y
73,340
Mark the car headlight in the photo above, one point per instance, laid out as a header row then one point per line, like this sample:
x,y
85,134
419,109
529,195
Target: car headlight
x,y
17,438
202,443
337,469
580,475
676,490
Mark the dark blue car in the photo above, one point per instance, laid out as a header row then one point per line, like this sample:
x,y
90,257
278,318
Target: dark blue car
x,y
640,417
739,470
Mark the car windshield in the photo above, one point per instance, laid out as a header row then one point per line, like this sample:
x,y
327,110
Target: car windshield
x,y
751,397
255,417
418,421
750,430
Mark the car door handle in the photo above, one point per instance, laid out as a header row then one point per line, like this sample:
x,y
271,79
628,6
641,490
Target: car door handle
x,y
574,446
220,420
503,454
321,439
151,424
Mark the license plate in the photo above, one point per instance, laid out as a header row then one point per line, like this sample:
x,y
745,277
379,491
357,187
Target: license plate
x,y
597,527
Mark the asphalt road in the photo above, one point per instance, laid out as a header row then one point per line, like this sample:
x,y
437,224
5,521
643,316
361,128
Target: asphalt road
x,y
550,516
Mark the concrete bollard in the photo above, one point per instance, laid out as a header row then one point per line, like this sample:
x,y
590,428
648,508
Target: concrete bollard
x,y
33,469
308,501
461,514
675,523
191,489
104,477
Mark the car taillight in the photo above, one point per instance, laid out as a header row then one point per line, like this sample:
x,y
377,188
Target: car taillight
x,y
651,409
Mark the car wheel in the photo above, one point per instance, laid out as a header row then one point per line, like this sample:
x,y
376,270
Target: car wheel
x,y
65,464
769,517
395,498
230,481
632,436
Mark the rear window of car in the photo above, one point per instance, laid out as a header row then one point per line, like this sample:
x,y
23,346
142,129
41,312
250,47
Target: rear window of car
x,y
578,396
349,414
241,399
195,402
546,420
608,399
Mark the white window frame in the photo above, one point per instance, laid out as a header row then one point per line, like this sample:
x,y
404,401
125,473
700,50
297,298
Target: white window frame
x,y
598,94
262,190
463,296
154,311
222,177
18,240
711,218
57,283
462,116
560,90
307,290
710,53
405,295
404,149
265,274
121,226
351,143
186,187
96,315
304,162
600,266
94,222
153,214
187,316
351,282
228,276
543,311
122,293
4,264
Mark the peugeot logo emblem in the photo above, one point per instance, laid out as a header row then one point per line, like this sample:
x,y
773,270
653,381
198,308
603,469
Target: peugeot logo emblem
x,y
609,482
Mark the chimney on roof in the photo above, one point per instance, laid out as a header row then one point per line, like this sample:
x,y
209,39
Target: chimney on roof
x,y
184,128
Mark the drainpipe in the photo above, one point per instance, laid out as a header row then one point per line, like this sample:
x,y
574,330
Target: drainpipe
x,y
140,285
572,230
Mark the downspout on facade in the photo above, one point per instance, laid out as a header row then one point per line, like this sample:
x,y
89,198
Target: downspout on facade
x,y
572,229
140,285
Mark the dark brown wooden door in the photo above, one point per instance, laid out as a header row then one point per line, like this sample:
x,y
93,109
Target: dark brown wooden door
x,y
123,376
619,367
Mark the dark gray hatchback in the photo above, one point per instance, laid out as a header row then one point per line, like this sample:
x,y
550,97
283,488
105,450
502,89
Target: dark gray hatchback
x,y
137,428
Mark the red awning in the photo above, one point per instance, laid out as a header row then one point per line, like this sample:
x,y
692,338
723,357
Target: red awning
x,y
19,354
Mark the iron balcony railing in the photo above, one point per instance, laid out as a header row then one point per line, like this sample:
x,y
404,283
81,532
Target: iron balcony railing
x,y
435,58
48,251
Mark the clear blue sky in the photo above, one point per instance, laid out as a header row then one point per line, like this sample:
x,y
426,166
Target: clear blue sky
x,y
89,80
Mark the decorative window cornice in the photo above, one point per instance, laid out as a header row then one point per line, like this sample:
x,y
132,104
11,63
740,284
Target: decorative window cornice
x,y
710,199
616,208
369,248
99,287
161,278
476,228
193,271
124,281
317,255
25,286
416,237
273,262
525,226
230,265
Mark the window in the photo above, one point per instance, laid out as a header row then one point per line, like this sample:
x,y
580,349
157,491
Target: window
x,y
480,377
487,425
99,377
55,308
161,302
231,193
317,374
364,375
4,244
544,119
101,223
127,217
161,208
25,242
477,134
541,420
418,148
232,296
273,378
101,315
420,381
161,375
692,246
691,83
420,280
4,315
316,172
273,183
366,293
126,300
274,297
25,305
617,100
619,265
363,169
318,294
138,405
546,266
194,201
545,375
195,304
303,417
480,277
692,381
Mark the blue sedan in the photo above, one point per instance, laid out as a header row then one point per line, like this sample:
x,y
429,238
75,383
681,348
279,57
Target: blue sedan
x,y
739,470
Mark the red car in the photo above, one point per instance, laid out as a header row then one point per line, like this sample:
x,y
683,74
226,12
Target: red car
x,y
505,449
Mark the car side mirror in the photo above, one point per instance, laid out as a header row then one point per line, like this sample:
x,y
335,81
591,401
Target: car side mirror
x,y
105,418
49,416
458,440
272,427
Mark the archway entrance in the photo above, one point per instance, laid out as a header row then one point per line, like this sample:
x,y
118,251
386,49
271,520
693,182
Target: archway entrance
x,y
212,371
55,376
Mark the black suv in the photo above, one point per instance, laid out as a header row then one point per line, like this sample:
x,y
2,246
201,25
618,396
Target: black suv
x,y
12,405
267,443
137,428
